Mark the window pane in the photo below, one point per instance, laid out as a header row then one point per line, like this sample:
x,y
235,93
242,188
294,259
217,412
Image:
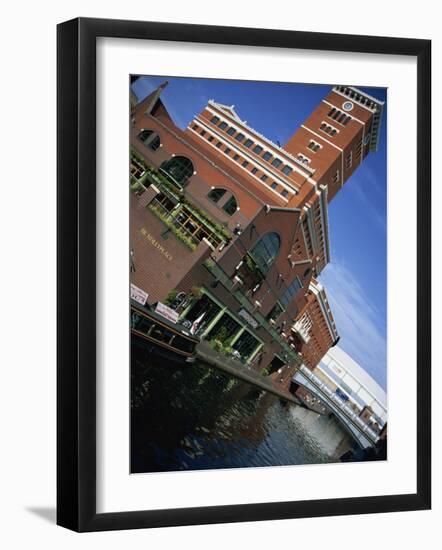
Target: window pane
x,y
214,120
257,149
230,206
223,125
267,156
276,162
179,169
265,251
216,194
290,292
154,144
145,134
248,142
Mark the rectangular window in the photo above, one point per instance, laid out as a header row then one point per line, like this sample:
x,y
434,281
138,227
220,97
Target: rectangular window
x,y
303,159
276,163
248,142
245,164
219,144
236,157
314,146
349,160
336,177
226,150
290,292
210,138
254,170
275,312
214,120
195,127
264,177
231,131
203,133
223,125
339,116
287,170
326,128
267,156
257,149
136,168
274,185
284,192
239,137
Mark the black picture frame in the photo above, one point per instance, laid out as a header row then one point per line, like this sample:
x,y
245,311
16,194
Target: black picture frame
x,y
76,272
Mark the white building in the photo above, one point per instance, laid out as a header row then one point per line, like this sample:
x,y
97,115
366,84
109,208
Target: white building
x,y
350,381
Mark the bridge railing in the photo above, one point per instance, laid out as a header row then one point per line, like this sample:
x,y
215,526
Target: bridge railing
x,y
339,402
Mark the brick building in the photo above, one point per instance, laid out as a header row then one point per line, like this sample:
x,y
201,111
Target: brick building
x,y
236,226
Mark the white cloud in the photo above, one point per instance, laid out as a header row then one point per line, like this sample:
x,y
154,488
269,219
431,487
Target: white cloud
x,y
359,323
367,189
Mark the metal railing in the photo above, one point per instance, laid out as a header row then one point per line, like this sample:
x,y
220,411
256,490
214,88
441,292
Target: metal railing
x,y
170,221
339,402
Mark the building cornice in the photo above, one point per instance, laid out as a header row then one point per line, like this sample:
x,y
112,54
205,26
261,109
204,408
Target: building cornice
x,y
298,166
319,292
368,102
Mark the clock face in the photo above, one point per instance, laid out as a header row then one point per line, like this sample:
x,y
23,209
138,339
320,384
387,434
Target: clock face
x,y
347,105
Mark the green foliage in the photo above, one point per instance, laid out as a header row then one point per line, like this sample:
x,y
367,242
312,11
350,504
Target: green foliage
x,y
171,297
166,219
221,342
171,190
265,371
196,291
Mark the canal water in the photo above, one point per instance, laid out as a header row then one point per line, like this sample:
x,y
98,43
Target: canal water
x,y
194,417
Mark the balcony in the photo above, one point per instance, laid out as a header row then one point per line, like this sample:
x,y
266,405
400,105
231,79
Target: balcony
x,y
170,221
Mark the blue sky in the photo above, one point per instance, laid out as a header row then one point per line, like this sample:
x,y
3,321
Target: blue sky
x,y
355,280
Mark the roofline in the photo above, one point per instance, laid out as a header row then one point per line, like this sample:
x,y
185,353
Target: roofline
x,y
377,109
305,170
319,292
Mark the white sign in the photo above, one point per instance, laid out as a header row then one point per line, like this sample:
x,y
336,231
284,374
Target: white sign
x,y
167,312
247,317
138,295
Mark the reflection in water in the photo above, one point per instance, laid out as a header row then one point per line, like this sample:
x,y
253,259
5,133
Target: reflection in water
x,y
193,417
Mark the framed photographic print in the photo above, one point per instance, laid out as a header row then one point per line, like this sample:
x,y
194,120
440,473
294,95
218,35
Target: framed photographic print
x,y
243,274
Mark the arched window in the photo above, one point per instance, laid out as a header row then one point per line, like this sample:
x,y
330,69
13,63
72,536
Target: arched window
x,y
179,169
265,251
216,194
231,206
155,143
150,139
144,135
